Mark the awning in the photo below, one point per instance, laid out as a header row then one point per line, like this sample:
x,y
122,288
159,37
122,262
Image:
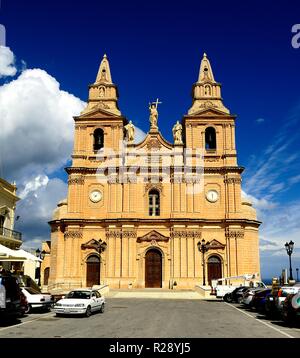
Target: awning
x,y
7,254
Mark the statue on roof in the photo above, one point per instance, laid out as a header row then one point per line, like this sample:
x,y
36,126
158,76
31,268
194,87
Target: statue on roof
x,y
153,113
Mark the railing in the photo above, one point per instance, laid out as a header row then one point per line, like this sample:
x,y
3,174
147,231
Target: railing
x,y
10,233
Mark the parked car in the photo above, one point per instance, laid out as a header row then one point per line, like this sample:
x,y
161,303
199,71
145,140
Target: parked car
x,y
37,300
274,303
24,304
248,295
236,295
80,301
290,312
10,296
259,299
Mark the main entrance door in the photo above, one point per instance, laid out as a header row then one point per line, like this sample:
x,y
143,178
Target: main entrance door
x,y
93,271
153,269
214,268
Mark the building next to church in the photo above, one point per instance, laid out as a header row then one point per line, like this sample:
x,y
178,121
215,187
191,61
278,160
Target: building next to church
x,y
137,212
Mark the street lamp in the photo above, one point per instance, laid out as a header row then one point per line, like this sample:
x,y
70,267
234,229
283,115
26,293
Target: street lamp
x,y
289,246
41,255
297,270
203,247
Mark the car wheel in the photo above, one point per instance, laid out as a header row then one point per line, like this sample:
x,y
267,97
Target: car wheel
x,y
27,309
88,311
102,308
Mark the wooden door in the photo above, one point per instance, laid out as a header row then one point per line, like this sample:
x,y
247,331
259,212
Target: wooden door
x,y
46,275
93,271
153,269
214,269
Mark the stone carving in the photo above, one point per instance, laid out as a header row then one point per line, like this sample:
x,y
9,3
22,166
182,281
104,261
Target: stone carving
x,y
97,245
153,114
153,144
189,234
76,180
215,244
177,133
102,105
232,180
153,236
234,233
73,234
130,131
129,234
150,186
113,233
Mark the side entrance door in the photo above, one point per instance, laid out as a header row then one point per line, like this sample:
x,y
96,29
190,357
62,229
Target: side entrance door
x,y
214,268
153,269
92,271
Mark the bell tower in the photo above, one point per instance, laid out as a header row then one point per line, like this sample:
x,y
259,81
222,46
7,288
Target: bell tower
x,y
206,91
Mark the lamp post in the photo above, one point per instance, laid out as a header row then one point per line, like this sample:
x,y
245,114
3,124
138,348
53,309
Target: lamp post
x,y
297,270
41,255
203,247
289,246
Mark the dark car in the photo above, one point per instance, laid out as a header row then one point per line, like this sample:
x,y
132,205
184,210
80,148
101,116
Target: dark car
x,y
259,299
10,296
236,295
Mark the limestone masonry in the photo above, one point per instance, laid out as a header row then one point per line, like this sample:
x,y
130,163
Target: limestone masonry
x,y
135,212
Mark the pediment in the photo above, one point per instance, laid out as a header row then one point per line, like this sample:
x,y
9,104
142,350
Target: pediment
x,y
209,112
94,244
215,244
154,142
153,236
96,113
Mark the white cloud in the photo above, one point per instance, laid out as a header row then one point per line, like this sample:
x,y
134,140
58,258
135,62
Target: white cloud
x,y
34,185
7,62
36,209
36,119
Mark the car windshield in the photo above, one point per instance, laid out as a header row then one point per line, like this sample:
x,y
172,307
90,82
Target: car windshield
x,y
32,291
79,294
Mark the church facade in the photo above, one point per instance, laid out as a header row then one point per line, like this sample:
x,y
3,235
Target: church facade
x,y
153,213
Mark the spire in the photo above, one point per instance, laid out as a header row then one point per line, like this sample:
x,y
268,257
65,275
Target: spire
x,y
103,94
104,75
205,72
206,91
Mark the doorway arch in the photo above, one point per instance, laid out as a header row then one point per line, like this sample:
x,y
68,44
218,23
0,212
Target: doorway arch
x,y
93,271
214,268
153,269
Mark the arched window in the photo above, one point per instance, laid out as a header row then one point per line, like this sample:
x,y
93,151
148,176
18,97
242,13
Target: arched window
x,y
207,91
210,138
154,204
98,139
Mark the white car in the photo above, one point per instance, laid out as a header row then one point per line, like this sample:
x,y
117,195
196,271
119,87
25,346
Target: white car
x,y
80,301
36,299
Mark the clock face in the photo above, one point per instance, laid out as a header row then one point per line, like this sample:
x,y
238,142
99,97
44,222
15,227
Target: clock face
x,y
212,196
95,196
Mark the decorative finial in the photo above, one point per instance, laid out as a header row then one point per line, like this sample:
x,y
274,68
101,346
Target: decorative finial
x,y
204,55
105,56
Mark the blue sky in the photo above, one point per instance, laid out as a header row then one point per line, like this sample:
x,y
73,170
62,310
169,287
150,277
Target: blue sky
x,y
154,49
